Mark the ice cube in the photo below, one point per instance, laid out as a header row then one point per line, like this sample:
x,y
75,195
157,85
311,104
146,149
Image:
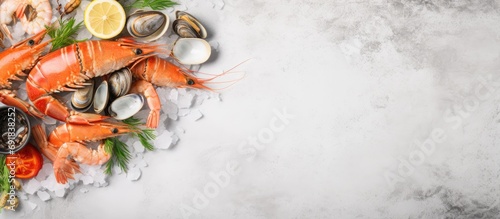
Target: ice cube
x,y
133,174
46,170
100,178
180,130
84,190
49,183
163,141
117,170
170,109
162,124
87,179
32,186
183,112
174,94
175,139
163,94
185,101
60,192
182,91
194,115
44,196
138,147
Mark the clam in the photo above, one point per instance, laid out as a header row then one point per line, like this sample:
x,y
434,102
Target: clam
x,y
120,82
101,97
191,51
147,25
82,98
126,106
187,26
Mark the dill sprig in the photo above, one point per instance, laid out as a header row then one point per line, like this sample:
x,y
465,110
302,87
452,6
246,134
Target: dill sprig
x,y
4,175
153,4
64,34
144,135
120,154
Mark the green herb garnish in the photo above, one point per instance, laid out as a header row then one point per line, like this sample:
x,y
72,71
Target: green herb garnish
x,y
153,4
144,135
120,154
64,34
4,175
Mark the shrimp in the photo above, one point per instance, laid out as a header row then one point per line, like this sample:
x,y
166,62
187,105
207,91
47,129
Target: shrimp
x,y
69,140
37,15
160,72
7,11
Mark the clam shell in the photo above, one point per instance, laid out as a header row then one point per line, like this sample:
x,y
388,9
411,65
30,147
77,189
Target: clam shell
x,y
147,25
101,97
120,82
186,26
82,98
126,106
191,51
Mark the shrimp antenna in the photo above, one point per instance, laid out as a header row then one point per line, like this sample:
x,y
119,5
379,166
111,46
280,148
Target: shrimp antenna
x,y
225,72
232,82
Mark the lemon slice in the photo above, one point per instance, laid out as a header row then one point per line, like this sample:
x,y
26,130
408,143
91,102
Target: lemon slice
x,y
104,18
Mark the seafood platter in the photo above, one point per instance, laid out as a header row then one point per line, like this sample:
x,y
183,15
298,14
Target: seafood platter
x,y
87,87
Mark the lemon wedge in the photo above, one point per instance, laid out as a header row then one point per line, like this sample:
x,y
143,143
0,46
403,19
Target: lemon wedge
x,y
104,18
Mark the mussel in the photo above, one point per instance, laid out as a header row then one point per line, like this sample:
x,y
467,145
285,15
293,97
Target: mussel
x,y
147,25
126,106
101,97
82,98
120,82
187,26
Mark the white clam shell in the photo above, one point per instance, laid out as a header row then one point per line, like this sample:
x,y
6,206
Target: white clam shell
x,y
191,51
126,106
101,97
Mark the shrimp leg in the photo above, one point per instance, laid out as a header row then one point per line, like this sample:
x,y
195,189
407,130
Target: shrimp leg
x,y
9,98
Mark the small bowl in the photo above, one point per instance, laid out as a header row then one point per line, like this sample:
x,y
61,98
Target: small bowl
x,y
13,122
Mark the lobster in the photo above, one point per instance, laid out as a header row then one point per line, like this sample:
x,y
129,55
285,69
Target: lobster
x,y
68,68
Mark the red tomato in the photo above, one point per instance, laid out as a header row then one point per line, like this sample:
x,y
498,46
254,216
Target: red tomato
x,y
27,162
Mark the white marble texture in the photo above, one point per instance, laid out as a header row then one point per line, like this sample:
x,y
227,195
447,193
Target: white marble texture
x,y
366,81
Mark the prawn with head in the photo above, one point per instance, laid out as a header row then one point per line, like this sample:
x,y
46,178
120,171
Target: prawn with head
x,y
160,72
67,144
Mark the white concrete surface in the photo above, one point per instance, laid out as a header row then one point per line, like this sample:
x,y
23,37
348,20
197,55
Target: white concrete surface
x,y
395,115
